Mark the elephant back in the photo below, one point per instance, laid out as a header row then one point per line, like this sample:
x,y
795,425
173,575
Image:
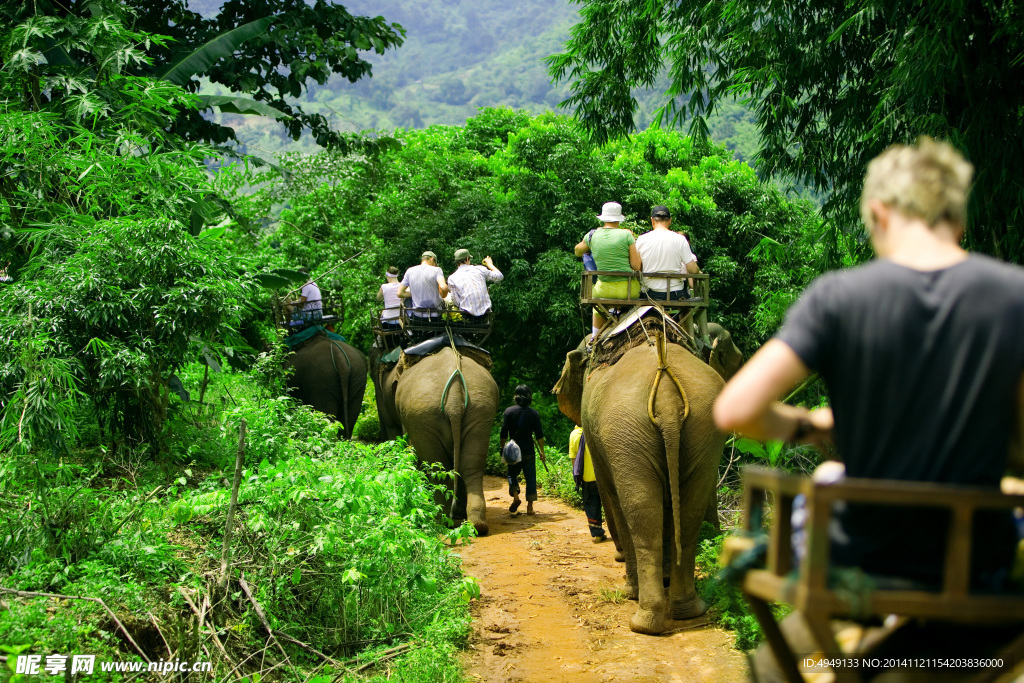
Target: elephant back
x,y
641,329
300,339
477,355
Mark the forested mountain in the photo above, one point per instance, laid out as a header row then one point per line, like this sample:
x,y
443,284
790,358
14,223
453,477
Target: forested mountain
x,y
459,55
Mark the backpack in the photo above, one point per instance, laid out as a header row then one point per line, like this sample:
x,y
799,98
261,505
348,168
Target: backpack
x,y
512,453
588,259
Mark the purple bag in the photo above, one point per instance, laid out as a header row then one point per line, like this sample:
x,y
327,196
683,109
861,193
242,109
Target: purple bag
x,y
588,259
577,464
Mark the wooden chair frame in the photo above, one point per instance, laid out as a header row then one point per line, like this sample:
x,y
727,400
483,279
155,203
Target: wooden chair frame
x,y
476,331
696,307
810,593
331,312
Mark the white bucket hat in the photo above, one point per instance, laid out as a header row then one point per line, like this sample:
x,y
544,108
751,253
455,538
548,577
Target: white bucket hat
x,y
611,213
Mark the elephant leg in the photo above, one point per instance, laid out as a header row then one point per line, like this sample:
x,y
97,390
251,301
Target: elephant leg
x,y
473,457
356,391
711,514
644,518
609,519
624,543
617,524
431,448
685,603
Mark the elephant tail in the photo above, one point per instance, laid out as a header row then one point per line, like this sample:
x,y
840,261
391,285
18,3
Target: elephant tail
x,y
454,408
671,438
670,434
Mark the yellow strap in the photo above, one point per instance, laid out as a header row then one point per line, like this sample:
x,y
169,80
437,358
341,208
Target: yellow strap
x,y
457,372
663,367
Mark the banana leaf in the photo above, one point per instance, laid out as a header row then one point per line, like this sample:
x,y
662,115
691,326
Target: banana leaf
x,y
271,281
229,104
199,61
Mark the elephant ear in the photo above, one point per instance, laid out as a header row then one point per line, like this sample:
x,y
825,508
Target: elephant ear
x,y
569,387
725,358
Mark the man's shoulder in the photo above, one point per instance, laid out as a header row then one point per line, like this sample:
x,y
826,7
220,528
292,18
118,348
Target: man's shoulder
x,y
982,266
661,237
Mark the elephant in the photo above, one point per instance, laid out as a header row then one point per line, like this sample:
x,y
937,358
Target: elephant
x,y
658,469
330,376
445,424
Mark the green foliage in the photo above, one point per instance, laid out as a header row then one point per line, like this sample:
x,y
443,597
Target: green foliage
x,y
304,43
115,286
830,88
524,190
368,423
726,605
342,544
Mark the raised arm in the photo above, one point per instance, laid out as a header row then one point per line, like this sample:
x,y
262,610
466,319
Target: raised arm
x,y
493,274
749,404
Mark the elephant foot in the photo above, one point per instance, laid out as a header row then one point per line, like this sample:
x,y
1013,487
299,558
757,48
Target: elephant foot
x,y
630,592
619,556
481,527
646,621
689,609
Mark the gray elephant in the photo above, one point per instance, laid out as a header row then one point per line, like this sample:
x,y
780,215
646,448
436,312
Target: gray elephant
x,y
658,469
447,405
330,376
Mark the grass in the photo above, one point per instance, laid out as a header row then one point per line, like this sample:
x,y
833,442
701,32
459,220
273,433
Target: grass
x,y
339,543
615,596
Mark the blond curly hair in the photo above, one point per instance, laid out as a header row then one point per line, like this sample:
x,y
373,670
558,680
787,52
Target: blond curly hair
x,y
929,180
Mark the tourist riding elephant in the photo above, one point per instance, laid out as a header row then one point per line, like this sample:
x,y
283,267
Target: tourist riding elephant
x,y
658,467
445,424
330,376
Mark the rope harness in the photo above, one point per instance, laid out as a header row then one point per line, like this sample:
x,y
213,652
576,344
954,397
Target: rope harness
x,y
457,372
663,367
342,349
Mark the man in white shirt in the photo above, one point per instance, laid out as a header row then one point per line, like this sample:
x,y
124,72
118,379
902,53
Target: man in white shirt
x,y
468,284
664,251
312,302
425,285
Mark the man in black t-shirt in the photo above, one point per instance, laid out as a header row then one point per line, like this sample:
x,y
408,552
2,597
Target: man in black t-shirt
x,y
522,424
922,351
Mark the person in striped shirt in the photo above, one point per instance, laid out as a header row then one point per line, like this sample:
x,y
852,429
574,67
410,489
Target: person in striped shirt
x,y
468,285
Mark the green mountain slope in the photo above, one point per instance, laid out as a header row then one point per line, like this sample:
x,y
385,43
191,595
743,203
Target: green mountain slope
x,y
459,55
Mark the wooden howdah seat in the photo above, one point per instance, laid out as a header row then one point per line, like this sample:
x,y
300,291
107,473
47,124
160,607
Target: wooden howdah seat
x,y
419,323
331,313
807,587
693,311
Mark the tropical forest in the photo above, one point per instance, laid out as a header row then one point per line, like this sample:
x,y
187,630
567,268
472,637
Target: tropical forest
x,y
235,444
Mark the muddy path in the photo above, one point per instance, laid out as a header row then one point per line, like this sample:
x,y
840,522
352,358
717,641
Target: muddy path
x,y
550,611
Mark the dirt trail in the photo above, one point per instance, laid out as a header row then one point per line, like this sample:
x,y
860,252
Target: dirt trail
x,y
544,615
